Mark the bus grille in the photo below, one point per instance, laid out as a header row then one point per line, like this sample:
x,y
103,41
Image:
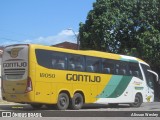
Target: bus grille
x,y
14,73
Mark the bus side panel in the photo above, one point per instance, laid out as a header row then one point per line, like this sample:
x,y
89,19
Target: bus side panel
x,y
42,92
128,95
49,83
32,73
91,89
94,92
54,93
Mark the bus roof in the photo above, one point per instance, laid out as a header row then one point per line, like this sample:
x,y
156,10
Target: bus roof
x,y
91,53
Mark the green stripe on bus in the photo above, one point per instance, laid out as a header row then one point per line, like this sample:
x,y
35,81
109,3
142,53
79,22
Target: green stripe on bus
x,y
121,87
111,86
115,87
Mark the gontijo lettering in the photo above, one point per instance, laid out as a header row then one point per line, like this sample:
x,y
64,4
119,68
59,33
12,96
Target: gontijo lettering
x,y
16,64
83,78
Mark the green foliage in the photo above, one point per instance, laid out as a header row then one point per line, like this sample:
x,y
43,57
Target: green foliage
x,y
129,27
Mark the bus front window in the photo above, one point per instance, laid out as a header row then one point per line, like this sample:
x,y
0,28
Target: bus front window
x,y
150,80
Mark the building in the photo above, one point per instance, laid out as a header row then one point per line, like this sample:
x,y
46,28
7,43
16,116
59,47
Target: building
x,y
67,45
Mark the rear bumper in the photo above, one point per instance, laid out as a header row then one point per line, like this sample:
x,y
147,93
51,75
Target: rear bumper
x,y
18,98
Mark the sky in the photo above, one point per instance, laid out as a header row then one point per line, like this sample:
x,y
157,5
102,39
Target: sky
x,y
45,22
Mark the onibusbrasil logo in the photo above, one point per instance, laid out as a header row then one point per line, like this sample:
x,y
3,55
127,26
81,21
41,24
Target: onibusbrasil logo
x,y
20,114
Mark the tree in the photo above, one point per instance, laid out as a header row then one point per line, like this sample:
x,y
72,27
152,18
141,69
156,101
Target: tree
x,y
150,48
125,27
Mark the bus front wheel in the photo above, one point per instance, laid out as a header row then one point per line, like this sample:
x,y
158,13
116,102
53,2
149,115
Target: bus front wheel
x,y
77,101
63,101
138,101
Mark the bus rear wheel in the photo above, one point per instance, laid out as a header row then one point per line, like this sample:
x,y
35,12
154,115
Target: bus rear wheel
x,y
63,101
138,101
77,101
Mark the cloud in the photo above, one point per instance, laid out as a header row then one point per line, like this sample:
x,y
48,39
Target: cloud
x,y
64,35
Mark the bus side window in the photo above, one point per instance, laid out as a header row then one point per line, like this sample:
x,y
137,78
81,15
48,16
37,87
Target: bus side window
x,y
51,59
108,66
71,66
93,64
134,70
58,61
44,58
60,65
71,63
107,70
75,62
117,69
123,68
136,73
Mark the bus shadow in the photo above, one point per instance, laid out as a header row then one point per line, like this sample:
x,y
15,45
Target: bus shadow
x,y
102,106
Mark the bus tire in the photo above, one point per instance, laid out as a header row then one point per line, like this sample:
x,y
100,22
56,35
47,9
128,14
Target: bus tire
x,y
63,101
77,101
138,101
36,106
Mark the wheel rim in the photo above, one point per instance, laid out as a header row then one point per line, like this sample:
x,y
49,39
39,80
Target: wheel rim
x,y
137,101
63,101
78,101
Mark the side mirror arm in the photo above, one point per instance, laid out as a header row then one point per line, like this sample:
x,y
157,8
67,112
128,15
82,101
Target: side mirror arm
x,y
157,78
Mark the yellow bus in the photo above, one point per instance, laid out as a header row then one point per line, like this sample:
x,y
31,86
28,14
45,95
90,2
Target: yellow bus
x,y
44,75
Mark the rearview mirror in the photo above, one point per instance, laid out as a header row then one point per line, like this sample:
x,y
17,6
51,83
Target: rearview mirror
x,y
154,73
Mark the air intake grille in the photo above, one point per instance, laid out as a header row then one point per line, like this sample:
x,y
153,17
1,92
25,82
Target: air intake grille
x,y
14,72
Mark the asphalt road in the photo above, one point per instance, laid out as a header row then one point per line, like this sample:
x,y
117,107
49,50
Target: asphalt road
x,y
155,106
88,112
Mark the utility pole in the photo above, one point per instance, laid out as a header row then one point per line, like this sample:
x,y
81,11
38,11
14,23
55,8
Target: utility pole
x,y
77,37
